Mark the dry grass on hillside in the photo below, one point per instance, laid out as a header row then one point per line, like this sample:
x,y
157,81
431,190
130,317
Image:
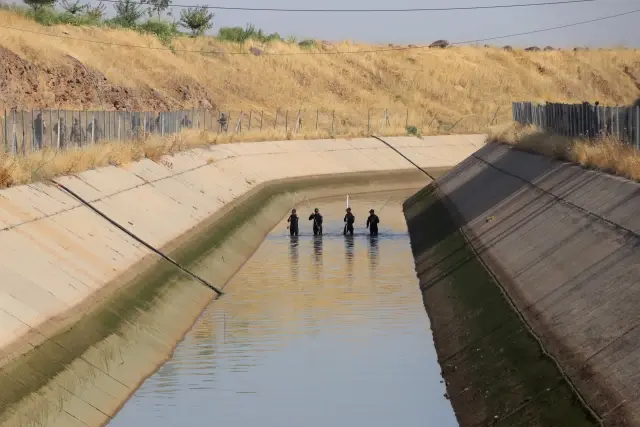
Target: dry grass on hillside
x,y
606,154
46,164
466,84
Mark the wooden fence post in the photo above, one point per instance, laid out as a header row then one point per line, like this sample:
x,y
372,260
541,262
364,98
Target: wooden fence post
x,y
637,127
6,133
333,117
24,135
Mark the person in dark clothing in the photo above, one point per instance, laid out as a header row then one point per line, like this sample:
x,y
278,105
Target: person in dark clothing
x,y
293,223
317,222
349,218
372,222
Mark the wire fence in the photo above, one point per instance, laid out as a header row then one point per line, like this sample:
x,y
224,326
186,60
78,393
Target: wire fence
x,y
23,132
582,120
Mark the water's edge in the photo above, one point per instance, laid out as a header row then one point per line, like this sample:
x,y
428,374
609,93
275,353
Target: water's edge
x,y
78,374
495,371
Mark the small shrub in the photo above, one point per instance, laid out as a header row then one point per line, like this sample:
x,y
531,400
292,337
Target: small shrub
x,y
307,44
413,130
165,31
232,34
242,35
44,16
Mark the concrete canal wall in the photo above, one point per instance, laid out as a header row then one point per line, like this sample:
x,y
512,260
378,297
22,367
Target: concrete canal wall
x,y
59,261
563,244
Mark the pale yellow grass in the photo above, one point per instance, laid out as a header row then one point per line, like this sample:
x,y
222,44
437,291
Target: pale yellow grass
x,y
443,86
606,154
48,163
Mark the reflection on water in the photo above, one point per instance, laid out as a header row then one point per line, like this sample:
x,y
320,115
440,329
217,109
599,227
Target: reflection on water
x,y
317,250
373,254
313,331
348,255
293,255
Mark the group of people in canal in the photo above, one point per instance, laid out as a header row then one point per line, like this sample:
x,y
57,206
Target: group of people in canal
x,y
349,220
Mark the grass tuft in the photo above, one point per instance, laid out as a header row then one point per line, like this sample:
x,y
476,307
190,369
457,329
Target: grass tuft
x,y
49,163
606,154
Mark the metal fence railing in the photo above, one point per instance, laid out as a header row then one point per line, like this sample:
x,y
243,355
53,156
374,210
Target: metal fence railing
x,y
582,120
22,132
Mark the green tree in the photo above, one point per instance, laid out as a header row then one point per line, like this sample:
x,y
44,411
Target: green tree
x,y
158,6
197,19
38,4
73,7
127,13
96,13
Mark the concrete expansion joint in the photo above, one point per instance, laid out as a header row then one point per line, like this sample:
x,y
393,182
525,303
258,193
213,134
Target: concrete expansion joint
x,y
103,248
560,199
512,303
153,249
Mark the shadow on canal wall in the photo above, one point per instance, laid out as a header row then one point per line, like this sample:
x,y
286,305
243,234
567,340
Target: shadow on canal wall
x,y
86,313
562,242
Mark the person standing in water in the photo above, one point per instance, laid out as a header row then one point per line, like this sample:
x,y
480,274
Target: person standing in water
x,y
349,218
372,223
317,222
293,223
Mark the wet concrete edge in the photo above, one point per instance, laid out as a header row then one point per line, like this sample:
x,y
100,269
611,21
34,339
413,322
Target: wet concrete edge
x,y
495,371
50,351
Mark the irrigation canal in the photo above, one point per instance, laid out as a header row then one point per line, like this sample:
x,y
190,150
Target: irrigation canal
x,y
312,331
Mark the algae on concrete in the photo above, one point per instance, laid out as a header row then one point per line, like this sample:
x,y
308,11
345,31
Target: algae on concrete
x,y
495,371
26,384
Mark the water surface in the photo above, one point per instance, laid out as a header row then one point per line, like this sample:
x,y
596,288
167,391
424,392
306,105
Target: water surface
x,y
313,331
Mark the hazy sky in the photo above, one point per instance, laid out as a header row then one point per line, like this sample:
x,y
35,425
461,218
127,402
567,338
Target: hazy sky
x,y
425,27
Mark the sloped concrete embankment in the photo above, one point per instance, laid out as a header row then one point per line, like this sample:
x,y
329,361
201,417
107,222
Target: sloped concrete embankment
x,y
76,293
563,243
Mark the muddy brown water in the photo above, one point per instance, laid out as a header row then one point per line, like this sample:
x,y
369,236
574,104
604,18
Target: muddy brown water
x,y
313,331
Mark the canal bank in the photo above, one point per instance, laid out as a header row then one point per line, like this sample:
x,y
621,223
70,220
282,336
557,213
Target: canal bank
x,y
81,323
534,306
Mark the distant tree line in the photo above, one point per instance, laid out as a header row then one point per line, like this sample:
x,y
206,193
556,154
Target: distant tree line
x,y
128,14
148,16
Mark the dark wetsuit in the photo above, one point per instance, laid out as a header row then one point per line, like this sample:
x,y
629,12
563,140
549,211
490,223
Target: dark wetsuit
x,y
317,223
372,223
293,228
349,219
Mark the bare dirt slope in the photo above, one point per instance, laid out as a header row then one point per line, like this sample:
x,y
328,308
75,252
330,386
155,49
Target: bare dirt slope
x,y
38,70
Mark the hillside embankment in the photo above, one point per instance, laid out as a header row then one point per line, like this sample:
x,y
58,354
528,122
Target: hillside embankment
x,y
86,312
71,67
562,243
